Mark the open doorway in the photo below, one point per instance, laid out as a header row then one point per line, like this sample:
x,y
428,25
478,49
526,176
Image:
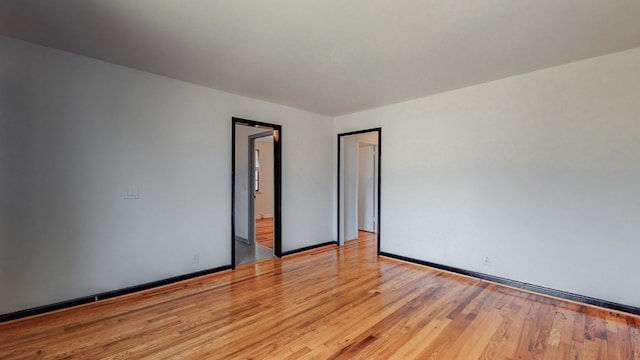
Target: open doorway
x,y
256,191
359,184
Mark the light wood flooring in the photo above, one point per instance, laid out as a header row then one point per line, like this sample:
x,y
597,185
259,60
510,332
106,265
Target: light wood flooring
x,y
331,303
264,232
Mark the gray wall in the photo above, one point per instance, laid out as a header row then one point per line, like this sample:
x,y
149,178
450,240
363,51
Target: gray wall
x,y
540,172
75,132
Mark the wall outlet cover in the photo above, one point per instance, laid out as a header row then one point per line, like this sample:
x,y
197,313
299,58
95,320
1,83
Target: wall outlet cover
x,y
132,192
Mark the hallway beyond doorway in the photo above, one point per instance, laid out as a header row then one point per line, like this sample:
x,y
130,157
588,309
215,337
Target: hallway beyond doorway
x,y
358,188
262,248
252,174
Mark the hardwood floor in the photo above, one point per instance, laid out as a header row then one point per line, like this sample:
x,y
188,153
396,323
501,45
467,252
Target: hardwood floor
x,y
264,232
330,303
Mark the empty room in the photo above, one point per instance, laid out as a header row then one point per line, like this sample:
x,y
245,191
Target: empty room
x,y
206,179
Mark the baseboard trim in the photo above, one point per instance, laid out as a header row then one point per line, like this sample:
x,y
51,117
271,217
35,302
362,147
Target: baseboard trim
x,y
106,295
290,252
524,286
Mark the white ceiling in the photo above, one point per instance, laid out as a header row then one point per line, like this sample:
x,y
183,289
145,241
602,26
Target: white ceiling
x,y
329,56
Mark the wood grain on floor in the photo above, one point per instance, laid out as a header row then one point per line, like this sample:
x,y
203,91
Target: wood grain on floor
x,y
329,303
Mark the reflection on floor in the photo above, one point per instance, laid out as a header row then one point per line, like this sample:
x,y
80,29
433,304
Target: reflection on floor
x,y
246,253
264,232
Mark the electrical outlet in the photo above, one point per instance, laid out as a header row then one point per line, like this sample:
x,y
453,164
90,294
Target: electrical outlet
x,y
196,258
486,261
132,193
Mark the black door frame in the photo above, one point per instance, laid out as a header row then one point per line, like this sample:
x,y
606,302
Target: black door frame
x,y
277,183
379,220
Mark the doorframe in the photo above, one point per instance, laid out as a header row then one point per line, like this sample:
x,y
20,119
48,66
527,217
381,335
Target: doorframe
x,y
379,177
277,183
